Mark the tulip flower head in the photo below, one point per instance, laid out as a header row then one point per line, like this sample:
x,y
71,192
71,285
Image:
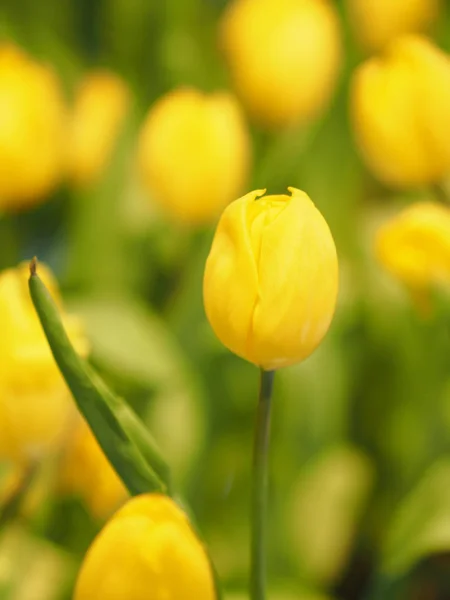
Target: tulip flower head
x,y
414,246
32,128
399,105
378,22
147,550
284,57
194,154
34,401
271,278
100,107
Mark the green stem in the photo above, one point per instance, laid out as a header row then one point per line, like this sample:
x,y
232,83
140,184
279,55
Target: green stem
x,y
13,502
259,489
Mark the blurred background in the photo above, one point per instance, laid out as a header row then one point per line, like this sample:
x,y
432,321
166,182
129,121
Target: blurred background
x,y
126,126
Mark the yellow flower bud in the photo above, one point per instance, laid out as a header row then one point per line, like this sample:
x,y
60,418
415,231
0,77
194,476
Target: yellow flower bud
x,y
271,278
85,471
377,22
32,128
34,400
194,153
147,550
100,107
284,57
414,246
400,113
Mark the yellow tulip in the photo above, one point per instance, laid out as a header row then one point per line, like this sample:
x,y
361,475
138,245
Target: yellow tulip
x,y
32,128
34,401
100,108
194,153
284,57
271,278
147,550
414,246
400,113
377,22
85,471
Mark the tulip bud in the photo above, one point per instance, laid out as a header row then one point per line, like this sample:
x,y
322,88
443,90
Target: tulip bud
x,y
284,57
147,550
194,153
378,22
100,107
414,246
271,278
86,472
32,127
400,113
34,401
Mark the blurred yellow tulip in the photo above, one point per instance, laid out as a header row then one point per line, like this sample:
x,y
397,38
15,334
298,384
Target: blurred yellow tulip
x,y
101,104
414,246
85,471
34,401
399,105
377,22
284,57
32,130
271,278
194,153
147,550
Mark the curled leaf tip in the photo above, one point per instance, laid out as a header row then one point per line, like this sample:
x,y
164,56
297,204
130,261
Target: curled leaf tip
x,y
33,266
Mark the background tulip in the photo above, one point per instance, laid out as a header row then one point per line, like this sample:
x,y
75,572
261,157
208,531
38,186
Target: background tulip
x,y
194,153
377,22
100,107
32,128
284,57
34,401
414,246
399,105
271,278
148,549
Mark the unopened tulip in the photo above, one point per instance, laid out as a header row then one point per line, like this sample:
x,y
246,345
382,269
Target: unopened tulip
x,y
32,129
100,107
194,154
34,402
271,278
87,473
147,550
414,246
377,22
399,105
284,57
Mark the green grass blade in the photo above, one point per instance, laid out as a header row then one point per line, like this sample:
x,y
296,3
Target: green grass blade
x,y
123,437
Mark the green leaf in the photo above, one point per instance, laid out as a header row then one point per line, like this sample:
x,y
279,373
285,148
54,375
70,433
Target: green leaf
x,y
421,525
325,509
122,436
133,347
